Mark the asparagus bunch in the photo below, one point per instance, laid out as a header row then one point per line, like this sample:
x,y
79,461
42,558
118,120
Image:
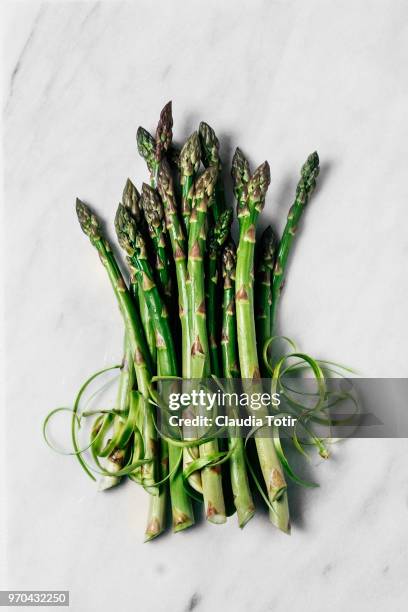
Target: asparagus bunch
x,y
184,269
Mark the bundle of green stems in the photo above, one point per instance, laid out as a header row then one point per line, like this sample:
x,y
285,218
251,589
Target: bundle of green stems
x,y
195,304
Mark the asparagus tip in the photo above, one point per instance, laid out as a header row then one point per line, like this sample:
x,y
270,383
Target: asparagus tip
x,y
308,175
190,155
220,231
259,183
239,171
130,199
146,146
209,145
88,220
164,133
125,227
151,205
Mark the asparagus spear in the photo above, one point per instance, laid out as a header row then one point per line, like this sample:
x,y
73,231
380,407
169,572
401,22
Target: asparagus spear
x,y
200,358
189,164
263,280
305,187
250,204
238,473
218,234
140,354
211,157
133,243
178,245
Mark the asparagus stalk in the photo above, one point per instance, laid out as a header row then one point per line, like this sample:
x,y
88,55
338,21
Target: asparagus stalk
x,y
140,354
211,157
156,522
263,290
250,204
218,234
239,479
200,358
229,348
189,163
145,317
304,190
133,243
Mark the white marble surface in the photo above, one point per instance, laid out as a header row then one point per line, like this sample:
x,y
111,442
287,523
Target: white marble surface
x,y
279,78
